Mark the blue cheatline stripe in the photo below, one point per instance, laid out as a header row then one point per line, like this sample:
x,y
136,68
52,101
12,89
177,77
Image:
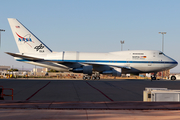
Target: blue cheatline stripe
x,y
23,60
107,61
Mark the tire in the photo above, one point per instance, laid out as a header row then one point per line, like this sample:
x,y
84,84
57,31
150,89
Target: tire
x,y
93,77
173,77
84,78
98,78
88,77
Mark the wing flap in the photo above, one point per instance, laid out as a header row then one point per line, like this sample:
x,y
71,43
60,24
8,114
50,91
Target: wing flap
x,y
125,67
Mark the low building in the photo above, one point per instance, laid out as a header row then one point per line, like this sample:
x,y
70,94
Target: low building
x,y
35,70
4,68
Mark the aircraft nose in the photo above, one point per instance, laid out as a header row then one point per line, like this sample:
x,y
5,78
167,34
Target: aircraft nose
x,y
174,62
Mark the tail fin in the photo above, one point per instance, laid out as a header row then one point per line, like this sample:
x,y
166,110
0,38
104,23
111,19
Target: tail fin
x,y
26,41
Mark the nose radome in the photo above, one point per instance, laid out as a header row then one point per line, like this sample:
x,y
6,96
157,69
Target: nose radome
x,y
174,62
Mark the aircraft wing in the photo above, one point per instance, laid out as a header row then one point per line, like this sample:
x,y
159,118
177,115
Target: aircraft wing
x,y
89,63
86,63
96,64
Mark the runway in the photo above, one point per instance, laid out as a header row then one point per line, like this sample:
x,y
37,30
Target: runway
x,y
79,99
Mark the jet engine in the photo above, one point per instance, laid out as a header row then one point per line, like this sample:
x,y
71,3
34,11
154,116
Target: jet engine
x,y
115,72
85,70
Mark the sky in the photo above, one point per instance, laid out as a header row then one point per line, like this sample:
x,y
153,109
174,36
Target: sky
x,y
93,26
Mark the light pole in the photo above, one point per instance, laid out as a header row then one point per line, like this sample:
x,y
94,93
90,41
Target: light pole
x,y
162,44
0,35
122,42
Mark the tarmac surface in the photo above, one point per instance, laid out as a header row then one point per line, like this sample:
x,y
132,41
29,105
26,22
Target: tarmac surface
x,y
79,99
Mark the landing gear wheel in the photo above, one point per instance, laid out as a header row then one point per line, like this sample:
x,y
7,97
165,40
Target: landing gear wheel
x,y
88,77
173,78
93,77
84,78
98,78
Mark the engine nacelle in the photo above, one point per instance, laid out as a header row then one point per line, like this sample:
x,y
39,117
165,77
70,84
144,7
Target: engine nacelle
x,y
87,69
116,72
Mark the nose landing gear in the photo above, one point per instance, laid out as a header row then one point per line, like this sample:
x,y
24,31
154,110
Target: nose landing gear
x,y
173,77
153,77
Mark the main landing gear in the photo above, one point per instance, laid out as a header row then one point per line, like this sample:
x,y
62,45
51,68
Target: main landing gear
x,y
93,77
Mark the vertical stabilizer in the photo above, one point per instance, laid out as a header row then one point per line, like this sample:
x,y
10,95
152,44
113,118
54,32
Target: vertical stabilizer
x,y
26,41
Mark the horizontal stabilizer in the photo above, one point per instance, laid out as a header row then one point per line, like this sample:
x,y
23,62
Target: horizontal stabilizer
x,y
23,56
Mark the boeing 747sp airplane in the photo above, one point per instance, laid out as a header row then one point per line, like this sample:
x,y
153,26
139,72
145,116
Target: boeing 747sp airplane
x,y
34,51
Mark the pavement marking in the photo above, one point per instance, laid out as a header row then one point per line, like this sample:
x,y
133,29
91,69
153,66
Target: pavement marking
x,y
100,91
38,91
112,85
76,91
131,91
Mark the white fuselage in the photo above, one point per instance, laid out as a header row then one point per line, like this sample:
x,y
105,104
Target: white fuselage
x,y
138,61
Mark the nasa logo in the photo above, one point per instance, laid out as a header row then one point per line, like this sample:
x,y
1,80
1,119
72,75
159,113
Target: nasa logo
x,y
24,39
